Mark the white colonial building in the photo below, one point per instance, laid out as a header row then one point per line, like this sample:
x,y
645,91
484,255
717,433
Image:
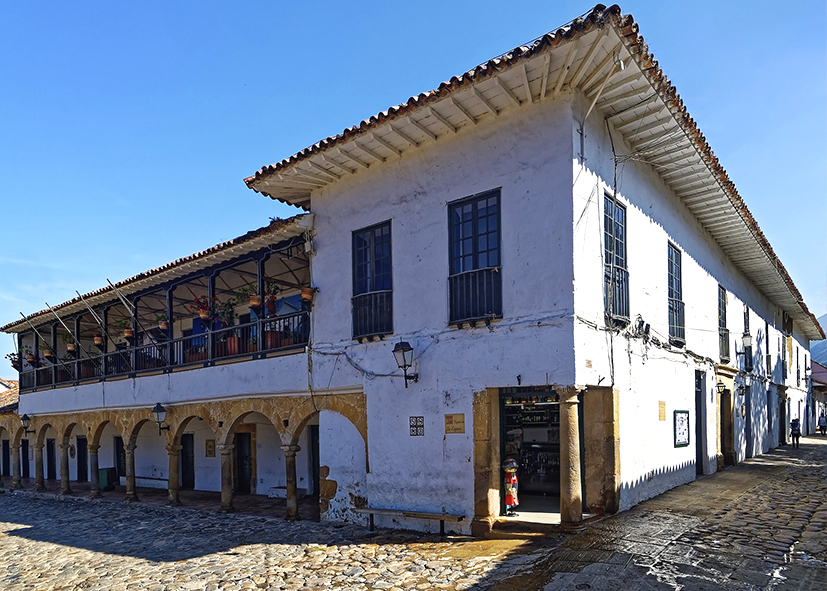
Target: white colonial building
x,y
549,236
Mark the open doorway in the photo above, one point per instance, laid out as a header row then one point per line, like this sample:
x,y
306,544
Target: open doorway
x,y
530,435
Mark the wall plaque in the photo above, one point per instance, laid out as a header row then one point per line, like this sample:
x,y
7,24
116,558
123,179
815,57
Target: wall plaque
x,y
681,428
661,410
210,448
455,423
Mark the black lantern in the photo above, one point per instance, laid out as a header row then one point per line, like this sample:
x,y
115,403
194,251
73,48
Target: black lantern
x,y
403,353
26,422
160,414
720,387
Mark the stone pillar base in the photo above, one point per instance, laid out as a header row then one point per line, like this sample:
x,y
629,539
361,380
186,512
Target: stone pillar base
x,y
38,488
480,528
95,494
131,498
173,503
227,509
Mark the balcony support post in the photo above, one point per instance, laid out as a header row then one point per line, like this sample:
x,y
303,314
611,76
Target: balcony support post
x,y
104,333
260,283
210,324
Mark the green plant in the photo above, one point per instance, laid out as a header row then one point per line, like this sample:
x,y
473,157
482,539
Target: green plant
x,y
271,287
203,304
14,358
25,350
66,338
123,324
226,311
44,347
244,292
161,318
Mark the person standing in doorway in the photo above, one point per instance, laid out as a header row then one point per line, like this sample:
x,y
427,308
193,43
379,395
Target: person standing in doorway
x,y
795,432
822,424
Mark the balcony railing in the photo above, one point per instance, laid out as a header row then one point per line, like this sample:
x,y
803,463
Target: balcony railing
x,y
372,314
475,295
723,344
242,341
616,293
677,330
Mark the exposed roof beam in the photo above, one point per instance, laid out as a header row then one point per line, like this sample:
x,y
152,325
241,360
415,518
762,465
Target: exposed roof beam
x,y
511,96
310,175
299,182
404,136
648,112
587,60
546,73
611,87
324,170
353,158
334,163
386,145
606,103
441,119
684,171
489,106
369,152
527,84
422,128
700,197
564,70
463,110
599,68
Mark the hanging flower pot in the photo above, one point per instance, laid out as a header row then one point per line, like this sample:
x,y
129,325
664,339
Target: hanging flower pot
x,y
163,324
70,347
98,339
204,314
47,352
128,333
30,358
307,294
255,301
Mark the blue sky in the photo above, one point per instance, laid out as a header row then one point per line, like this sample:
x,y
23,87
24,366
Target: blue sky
x,y
126,129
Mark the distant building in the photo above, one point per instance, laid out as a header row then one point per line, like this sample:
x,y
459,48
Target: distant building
x,y
548,236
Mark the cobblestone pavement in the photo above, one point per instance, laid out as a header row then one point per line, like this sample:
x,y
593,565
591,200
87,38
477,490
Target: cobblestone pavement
x,y
759,525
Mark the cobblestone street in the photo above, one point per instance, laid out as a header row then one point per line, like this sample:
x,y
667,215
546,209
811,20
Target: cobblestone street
x,y
760,525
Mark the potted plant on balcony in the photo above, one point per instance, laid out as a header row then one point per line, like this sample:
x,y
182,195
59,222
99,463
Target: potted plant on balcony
x,y
26,351
225,314
249,292
203,305
69,341
15,360
47,350
163,321
126,327
98,339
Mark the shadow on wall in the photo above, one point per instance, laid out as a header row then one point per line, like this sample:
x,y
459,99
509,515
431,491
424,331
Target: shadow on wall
x,y
655,482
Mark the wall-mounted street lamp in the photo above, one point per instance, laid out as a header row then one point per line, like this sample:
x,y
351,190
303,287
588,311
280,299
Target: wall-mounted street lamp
x,y
160,414
26,422
747,352
720,387
403,353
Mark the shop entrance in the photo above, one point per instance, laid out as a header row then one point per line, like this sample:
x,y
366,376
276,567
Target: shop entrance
x,y
530,435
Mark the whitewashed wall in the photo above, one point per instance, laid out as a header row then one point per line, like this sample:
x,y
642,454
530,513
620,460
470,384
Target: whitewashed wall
x,y
645,374
527,154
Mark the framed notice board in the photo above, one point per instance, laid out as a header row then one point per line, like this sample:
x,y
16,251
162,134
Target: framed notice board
x,y
681,428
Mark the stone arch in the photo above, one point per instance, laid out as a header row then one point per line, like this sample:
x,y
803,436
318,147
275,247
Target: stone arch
x,y
177,429
97,431
132,434
256,405
350,406
41,433
65,432
18,435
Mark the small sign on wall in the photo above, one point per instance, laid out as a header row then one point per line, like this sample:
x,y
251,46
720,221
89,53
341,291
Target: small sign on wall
x,y
455,423
417,425
661,410
681,428
209,449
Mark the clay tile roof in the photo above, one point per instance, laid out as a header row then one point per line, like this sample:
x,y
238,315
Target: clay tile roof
x,y
10,397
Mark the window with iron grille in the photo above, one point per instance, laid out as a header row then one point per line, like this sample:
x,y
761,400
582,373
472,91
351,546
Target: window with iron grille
x,y
615,273
747,349
372,302
723,332
677,330
475,285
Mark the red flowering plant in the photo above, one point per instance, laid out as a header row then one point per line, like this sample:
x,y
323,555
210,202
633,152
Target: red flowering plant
x,y
15,359
204,305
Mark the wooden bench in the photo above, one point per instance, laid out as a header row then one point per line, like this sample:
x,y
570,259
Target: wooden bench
x,y
441,517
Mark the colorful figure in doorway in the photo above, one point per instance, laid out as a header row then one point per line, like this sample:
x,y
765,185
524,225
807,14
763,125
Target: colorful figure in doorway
x,y
510,466
795,431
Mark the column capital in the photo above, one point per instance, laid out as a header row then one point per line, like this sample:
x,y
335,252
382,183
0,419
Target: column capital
x,y
569,394
93,449
130,448
174,450
38,446
225,449
64,446
290,450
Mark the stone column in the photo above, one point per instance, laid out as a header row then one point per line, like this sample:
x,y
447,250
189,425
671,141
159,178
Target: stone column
x,y
39,484
15,466
571,498
292,493
174,452
94,468
226,477
131,493
65,489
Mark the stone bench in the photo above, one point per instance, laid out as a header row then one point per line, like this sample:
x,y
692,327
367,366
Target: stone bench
x,y
441,517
